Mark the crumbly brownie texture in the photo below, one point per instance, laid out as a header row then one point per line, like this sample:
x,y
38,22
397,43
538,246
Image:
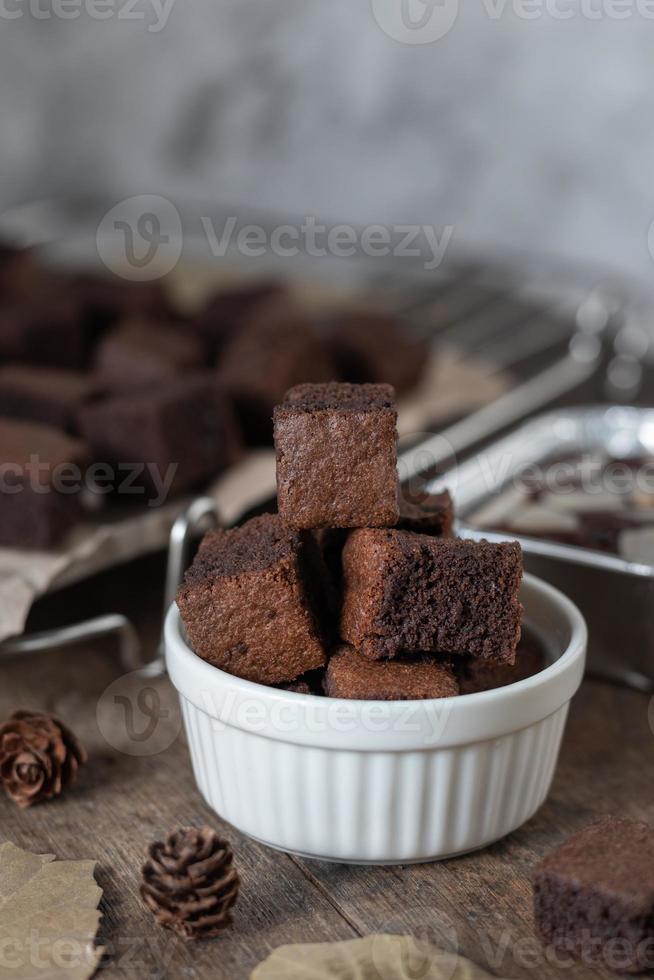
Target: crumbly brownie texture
x,y
272,352
479,675
404,592
248,602
185,423
349,675
374,347
336,450
140,352
432,514
310,683
33,512
49,395
594,895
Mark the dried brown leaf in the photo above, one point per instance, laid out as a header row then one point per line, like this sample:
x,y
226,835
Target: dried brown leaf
x,y
48,917
380,957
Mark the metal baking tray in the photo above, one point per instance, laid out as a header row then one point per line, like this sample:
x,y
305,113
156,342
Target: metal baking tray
x,y
615,595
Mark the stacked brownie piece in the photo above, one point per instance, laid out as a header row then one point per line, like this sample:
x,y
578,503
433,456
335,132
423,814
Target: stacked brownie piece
x,y
347,578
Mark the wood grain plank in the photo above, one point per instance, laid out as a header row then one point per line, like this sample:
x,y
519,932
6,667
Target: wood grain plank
x,y
122,802
481,904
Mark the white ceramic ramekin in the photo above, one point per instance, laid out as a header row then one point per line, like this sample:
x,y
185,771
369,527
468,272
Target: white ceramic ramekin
x,y
374,781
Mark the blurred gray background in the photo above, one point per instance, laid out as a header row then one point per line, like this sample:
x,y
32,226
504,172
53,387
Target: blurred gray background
x,y
526,132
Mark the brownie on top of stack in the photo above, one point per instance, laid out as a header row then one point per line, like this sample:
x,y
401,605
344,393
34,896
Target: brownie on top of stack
x,y
416,606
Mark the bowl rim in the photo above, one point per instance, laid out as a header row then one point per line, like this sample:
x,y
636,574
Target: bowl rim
x,y
231,701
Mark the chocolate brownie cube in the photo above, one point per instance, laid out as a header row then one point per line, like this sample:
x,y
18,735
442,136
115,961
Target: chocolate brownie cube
x,y
481,675
349,675
142,352
175,435
377,348
50,395
17,270
272,352
594,895
336,450
106,299
431,514
44,329
404,592
310,683
249,604
227,310
41,478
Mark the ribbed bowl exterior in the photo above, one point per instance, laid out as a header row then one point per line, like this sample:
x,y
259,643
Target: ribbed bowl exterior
x,y
373,806
380,782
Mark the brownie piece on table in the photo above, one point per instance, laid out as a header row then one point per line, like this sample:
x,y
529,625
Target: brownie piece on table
x,y
404,592
481,675
433,514
349,675
375,347
50,395
142,352
182,431
42,473
337,456
45,328
249,602
229,308
594,895
269,355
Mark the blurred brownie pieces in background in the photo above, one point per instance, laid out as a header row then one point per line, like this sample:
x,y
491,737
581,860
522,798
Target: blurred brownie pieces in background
x,y
249,602
336,447
178,433
50,395
273,351
349,675
140,352
404,592
42,472
105,299
17,270
376,347
432,514
481,675
594,895
229,308
44,328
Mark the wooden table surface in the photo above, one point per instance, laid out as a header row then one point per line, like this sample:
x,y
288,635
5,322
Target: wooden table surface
x,y
480,904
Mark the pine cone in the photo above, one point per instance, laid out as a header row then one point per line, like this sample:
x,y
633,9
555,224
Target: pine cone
x,y
189,882
39,757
